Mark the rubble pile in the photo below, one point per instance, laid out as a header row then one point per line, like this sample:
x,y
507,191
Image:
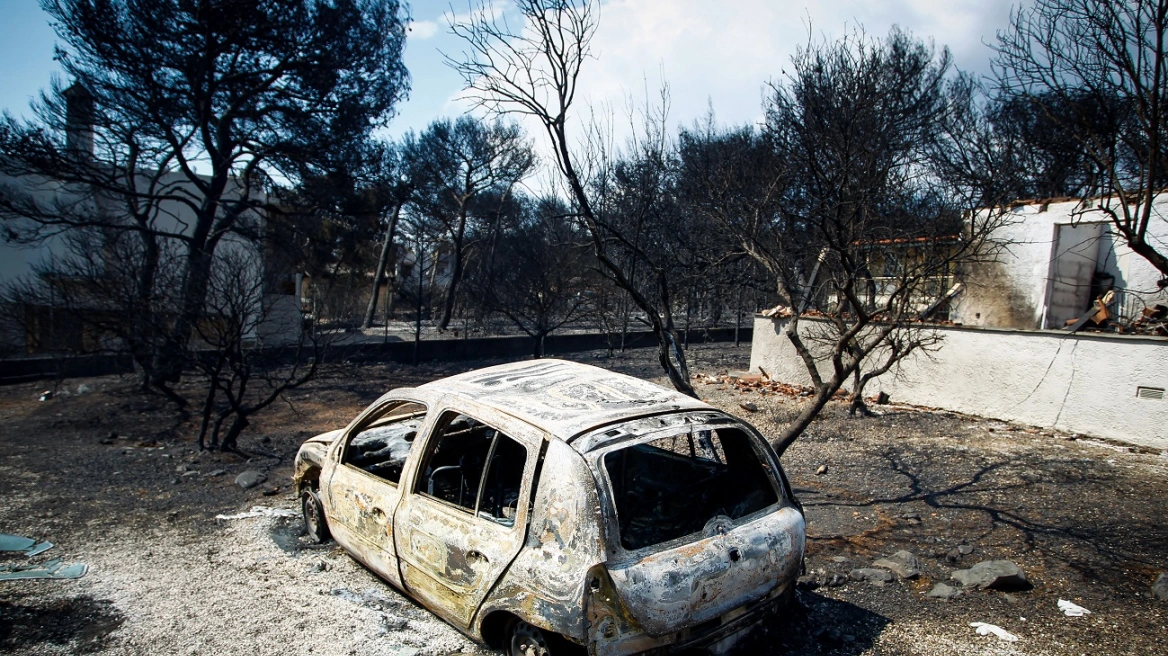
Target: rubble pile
x,y
762,384
1152,321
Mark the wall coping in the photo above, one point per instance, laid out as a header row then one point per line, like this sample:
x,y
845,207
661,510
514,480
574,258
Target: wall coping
x,y
1011,331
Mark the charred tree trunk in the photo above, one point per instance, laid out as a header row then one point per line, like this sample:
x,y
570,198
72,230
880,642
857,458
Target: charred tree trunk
x,y
382,261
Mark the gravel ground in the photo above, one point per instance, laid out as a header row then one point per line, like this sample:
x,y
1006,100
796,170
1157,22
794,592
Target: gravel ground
x,y
113,479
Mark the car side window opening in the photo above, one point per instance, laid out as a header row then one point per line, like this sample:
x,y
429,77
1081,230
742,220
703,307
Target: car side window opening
x,y
474,467
382,445
674,486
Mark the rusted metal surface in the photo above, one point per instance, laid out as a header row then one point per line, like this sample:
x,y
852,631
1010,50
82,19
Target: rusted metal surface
x,y
678,588
547,582
555,561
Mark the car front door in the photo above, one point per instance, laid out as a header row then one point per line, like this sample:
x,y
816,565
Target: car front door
x,y
461,522
363,492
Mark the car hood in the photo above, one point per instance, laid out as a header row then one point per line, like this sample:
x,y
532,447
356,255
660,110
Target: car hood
x,y
324,438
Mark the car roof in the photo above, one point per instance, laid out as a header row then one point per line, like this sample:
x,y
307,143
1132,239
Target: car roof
x,y
563,398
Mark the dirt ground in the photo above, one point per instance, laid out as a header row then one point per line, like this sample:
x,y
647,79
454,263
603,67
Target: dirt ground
x,y
113,479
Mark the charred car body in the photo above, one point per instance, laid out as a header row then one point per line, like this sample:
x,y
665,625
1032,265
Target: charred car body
x,y
546,501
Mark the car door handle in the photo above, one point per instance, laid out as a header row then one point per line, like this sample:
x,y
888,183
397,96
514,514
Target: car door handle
x,y
378,515
476,555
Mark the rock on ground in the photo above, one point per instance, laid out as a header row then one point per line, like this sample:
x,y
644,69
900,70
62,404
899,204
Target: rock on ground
x,y
250,479
870,574
903,563
943,591
992,574
1160,587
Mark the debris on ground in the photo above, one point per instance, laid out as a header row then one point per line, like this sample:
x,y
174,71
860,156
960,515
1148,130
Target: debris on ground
x,y
53,569
993,575
1071,609
261,511
29,546
993,629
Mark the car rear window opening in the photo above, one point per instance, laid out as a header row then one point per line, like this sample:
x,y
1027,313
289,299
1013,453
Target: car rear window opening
x,y
674,486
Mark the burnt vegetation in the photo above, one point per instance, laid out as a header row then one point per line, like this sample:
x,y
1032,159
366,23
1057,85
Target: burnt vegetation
x,y
221,206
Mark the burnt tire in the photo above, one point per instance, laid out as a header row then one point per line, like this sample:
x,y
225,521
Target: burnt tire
x,y
314,523
523,639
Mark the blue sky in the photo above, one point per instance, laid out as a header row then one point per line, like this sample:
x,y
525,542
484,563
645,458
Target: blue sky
x,y
717,53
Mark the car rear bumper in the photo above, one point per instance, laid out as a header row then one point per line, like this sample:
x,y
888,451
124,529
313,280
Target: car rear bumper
x,y
717,636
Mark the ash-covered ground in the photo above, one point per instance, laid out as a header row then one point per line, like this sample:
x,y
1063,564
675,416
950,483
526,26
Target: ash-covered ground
x,y
113,479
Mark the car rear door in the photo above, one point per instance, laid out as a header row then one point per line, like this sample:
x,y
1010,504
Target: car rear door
x,y
462,520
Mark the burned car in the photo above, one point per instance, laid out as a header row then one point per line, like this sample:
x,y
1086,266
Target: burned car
x,y
541,505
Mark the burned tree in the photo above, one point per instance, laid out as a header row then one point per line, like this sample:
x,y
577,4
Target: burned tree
x,y
533,71
250,349
537,273
187,110
854,198
1098,71
453,165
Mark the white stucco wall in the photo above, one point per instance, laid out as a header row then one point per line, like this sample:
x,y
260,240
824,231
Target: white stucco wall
x,y
1075,383
1013,292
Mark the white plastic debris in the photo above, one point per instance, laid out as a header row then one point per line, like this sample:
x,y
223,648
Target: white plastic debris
x,y
1071,609
987,629
260,511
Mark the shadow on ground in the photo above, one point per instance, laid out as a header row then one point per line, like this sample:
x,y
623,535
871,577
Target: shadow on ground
x,y
82,624
818,625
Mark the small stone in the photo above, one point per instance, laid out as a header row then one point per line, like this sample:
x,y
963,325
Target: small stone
x,y
839,559
964,549
870,574
250,479
182,468
903,563
271,492
318,566
992,574
836,580
882,398
188,474
749,406
943,591
1160,587
83,388
821,471
216,472
953,555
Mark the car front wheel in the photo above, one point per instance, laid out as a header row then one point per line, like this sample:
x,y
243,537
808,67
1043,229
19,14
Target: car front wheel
x,y
314,523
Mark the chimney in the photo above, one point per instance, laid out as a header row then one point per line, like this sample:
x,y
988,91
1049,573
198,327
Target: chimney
x,y
78,120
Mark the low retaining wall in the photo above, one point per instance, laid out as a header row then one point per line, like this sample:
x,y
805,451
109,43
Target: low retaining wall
x,y
1079,383
517,347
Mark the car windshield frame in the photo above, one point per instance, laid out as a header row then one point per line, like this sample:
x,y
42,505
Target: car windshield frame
x,y
674,425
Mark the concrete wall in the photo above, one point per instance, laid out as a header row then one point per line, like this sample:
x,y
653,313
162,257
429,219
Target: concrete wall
x,y
1016,291
1074,383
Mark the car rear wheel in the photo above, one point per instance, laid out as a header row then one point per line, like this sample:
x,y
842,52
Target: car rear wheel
x,y
524,639
314,523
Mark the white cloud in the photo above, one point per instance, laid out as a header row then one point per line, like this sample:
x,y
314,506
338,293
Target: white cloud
x,y
422,30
